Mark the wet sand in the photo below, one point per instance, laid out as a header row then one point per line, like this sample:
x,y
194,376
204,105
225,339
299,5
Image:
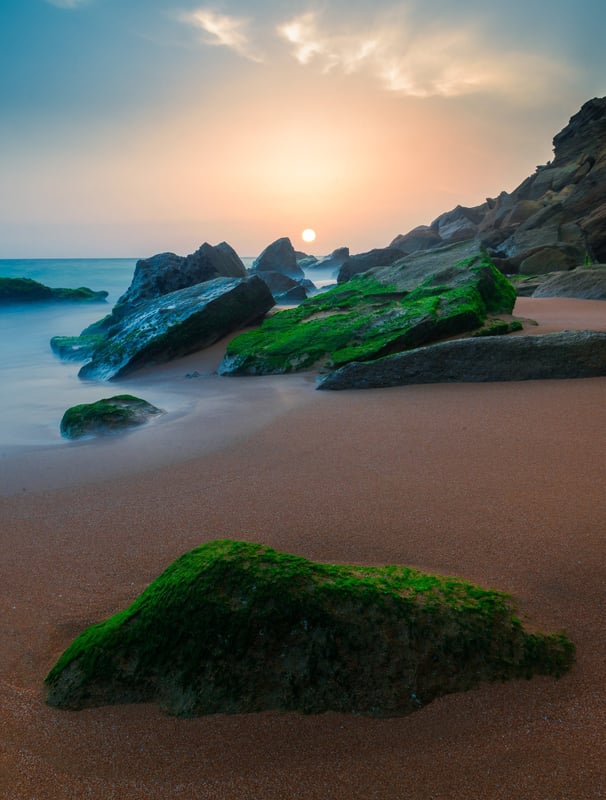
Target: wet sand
x,y
502,484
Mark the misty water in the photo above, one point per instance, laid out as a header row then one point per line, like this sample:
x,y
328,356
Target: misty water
x,y
37,387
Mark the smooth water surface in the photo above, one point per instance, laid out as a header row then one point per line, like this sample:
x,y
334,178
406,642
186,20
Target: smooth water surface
x,y
36,387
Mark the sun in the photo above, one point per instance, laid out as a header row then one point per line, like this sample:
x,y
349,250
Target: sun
x,y
308,235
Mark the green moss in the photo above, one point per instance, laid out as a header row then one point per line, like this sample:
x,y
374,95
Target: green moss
x,y
499,327
106,416
81,294
364,319
76,348
26,290
17,290
234,626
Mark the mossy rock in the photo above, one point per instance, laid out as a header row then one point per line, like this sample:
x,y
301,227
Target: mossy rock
x,y
76,348
499,327
234,627
26,290
366,319
109,415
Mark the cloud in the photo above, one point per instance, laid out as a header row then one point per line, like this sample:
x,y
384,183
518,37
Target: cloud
x,y
418,63
223,31
348,52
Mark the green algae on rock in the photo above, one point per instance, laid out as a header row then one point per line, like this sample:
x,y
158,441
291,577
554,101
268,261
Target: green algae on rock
x,y
365,319
562,355
26,290
235,627
110,415
76,348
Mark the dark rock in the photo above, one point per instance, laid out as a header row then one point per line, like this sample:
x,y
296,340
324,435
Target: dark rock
x,y
174,306
594,228
569,354
167,272
286,290
366,318
409,271
304,260
334,261
309,286
279,256
526,285
458,225
178,323
76,348
362,262
585,283
555,258
26,290
584,133
421,238
293,296
277,282
111,415
236,627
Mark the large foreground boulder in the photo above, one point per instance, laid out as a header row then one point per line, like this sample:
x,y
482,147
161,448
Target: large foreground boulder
x,y
178,323
26,290
367,318
108,416
569,354
234,627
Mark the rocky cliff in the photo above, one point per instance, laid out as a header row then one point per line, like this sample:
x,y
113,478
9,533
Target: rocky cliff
x,y
554,220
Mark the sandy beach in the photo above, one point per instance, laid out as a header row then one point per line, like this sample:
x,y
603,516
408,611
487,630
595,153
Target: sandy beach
x,y
502,484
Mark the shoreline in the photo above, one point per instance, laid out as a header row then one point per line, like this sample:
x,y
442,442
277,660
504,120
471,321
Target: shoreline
x,y
501,484
224,409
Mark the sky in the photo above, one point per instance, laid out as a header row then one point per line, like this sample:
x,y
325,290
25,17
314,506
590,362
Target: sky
x,y
131,127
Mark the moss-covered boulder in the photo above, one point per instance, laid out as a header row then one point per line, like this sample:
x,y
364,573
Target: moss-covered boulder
x,y
26,290
234,627
109,415
367,318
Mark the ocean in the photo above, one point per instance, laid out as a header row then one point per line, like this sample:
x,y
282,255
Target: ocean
x,y
36,386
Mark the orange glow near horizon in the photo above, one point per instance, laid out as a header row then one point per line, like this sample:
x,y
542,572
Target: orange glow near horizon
x,y
369,166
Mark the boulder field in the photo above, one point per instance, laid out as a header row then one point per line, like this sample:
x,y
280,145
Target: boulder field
x,y
236,627
439,281
373,315
175,305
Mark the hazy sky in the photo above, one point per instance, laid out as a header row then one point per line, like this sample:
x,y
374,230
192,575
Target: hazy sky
x,y
129,127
